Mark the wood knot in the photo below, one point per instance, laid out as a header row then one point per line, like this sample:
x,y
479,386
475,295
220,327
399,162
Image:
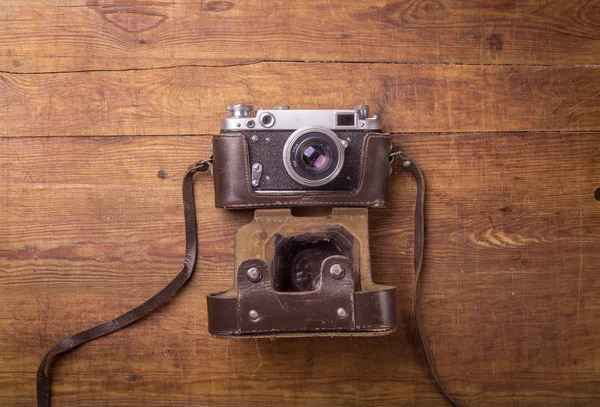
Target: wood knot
x,y
134,378
495,42
218,6
131,19
404,14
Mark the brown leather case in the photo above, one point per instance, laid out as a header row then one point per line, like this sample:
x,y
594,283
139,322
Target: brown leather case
x,y
231,171
348,305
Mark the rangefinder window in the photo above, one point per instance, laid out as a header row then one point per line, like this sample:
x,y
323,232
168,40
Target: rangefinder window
x,y
345,119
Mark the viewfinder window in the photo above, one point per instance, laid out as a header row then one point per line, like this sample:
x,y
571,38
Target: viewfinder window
x,y
345,119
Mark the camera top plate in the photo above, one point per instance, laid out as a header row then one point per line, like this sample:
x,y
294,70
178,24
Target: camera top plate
x,y
284,118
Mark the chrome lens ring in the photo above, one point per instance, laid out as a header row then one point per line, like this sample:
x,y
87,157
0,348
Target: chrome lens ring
x,y
304,138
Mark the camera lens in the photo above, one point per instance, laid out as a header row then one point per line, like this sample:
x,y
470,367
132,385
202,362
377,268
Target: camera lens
x,y
313,156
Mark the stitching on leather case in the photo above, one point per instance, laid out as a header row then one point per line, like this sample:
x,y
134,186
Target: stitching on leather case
x,y
373,326
356,329
288,203
286,197
289,331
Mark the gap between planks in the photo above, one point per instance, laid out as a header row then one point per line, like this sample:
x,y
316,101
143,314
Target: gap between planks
x,y
392,133
293,61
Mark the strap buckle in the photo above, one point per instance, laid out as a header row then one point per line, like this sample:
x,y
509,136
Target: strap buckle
x,y
202,165
405,160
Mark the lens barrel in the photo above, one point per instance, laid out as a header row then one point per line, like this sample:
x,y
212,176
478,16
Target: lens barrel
x,y
313,156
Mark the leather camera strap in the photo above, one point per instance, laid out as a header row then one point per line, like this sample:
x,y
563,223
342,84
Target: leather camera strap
x,y
128,318
419,242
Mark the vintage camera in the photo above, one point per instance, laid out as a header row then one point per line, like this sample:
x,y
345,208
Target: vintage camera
x,y
285,157
301,275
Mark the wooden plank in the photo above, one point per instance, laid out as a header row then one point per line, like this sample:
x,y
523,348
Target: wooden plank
x,y
70,35
92,226
409,98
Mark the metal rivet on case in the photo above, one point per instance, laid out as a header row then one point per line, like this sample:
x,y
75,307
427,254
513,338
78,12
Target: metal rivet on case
x,y
254,138
337,271
254,274
341,312
253,314
406,164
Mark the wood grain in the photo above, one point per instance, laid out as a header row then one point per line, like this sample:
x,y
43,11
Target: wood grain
x,y
49,36
192,100
92,226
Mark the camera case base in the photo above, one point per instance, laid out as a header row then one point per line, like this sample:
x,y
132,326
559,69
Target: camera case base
x,y
263,302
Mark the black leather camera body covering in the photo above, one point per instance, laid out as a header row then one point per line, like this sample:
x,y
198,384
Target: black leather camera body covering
x,y
363,180
266,147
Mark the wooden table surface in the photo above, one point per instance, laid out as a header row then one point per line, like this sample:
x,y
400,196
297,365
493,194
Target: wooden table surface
x,y
104,104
